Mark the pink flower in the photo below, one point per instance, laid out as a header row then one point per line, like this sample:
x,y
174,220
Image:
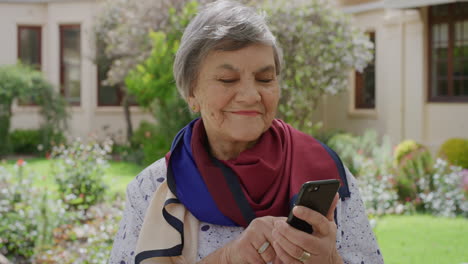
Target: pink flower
x,y
465,180
20,162
147,134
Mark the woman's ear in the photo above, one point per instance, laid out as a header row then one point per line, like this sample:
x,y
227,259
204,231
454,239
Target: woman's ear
x,y
193,104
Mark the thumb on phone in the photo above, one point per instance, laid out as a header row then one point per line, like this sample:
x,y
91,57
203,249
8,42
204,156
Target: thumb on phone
x,y
331,211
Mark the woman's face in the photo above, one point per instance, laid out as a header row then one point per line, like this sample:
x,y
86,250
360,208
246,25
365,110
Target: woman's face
x,y
237,93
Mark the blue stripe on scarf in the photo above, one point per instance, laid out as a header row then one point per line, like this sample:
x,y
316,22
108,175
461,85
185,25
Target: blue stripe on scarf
x,y
190,187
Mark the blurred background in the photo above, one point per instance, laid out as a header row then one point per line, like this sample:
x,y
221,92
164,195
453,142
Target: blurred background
x,y
87,100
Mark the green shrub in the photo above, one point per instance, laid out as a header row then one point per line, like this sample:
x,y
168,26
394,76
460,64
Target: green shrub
x,y
79,170
353,149
371,162
28,214
346,145
455,151
21,82
25,141
30,141
150,143
89,243
18,228
413,163
326,135
403,149
5,146
443,194
125,152
51,138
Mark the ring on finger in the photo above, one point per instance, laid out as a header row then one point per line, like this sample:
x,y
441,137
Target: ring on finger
x,y
264,247
304,257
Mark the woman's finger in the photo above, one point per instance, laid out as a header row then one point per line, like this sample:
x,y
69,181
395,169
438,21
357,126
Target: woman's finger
x,y
245,252
283,255
269,254
331,211
292,249
297,237
319,222
253,244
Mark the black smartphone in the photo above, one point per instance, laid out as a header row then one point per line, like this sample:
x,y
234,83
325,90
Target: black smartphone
x,y
316,195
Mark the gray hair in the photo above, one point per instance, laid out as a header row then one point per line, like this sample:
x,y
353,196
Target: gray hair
x,y
221,25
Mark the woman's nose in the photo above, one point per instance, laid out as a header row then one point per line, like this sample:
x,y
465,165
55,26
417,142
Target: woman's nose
x,y
248,92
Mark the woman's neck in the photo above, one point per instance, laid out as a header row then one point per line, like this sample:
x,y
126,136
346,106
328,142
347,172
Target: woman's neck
x,y
227,150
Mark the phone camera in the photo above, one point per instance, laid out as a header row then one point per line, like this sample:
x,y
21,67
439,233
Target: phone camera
x,y
315,188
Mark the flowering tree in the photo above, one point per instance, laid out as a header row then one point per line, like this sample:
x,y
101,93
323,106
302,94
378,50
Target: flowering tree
x,y
318,41
320,46
122,35
123,26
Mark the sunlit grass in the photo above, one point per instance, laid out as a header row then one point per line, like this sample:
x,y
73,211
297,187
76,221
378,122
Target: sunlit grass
x,y
117,175
423,239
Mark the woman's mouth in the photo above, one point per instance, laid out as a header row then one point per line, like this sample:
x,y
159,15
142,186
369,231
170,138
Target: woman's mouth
x,y
247,113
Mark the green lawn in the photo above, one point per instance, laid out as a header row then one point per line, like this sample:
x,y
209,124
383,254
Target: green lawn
x,y
423,239
117,176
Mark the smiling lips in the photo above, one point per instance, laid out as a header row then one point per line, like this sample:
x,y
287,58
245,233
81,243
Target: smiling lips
x,y
247,113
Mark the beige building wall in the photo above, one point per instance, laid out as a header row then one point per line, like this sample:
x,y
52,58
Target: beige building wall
x,y
87,118
402,109
337,111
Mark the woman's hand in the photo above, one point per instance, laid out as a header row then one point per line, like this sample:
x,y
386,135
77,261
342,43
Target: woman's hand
x,y
291,244
245,249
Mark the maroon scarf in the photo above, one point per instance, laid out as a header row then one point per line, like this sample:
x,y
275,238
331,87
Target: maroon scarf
x,y
270,173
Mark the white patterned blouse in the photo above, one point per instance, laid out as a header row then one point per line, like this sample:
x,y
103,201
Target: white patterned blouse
x,y
355,240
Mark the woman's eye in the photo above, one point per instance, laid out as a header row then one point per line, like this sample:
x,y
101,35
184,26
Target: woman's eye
x,y
227,80
265,80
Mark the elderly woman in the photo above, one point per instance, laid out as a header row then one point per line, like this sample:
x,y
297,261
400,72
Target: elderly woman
x,y
222,193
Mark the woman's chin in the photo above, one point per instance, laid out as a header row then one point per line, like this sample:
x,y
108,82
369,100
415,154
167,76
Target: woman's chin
x,y
246,136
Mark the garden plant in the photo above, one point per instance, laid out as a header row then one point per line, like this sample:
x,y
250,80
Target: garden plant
x,y
70,220
23,83
67,214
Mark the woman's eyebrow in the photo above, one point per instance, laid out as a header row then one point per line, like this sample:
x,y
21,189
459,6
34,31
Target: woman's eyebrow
x,y
267,68
227,67
230,67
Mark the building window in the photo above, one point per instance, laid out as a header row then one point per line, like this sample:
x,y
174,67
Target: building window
x,y
70,63
365,83
29,45
108,95
448,52
29,52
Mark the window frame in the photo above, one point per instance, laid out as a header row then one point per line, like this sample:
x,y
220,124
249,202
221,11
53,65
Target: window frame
x,y
359,81
18,43
101,104
61,65
120,94
450,19
19,28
